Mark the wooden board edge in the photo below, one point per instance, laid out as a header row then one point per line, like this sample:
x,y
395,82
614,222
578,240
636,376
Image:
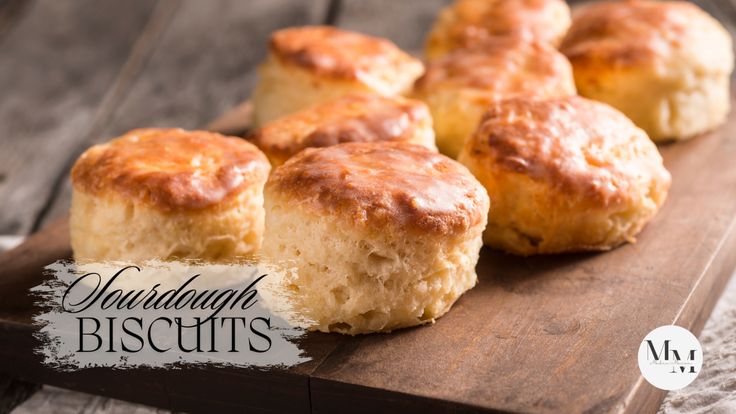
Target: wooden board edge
x,y
237,121
328,396
283,392
28,258
644,397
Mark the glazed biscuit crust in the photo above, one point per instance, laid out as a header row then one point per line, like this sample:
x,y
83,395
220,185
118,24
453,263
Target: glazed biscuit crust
x,y
566,174
171,169
314,64
645,33
467,23
359,117
395,185
584,148
505,67
333,53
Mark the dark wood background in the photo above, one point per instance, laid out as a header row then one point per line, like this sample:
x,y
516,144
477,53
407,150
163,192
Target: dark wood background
x,y
77,72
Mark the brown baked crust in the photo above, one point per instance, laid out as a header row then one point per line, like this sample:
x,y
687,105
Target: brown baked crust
x,y
398,185
467,23
585,149
358,117
339,54
171,169
506,66
636,33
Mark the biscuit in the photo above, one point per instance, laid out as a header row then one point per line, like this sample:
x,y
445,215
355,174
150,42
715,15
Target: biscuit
x,y
467,23
564,175
312,64
459,87
168,194
357,117
382,235
666,65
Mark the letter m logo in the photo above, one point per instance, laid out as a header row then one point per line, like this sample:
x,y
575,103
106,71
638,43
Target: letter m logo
x,y
664,350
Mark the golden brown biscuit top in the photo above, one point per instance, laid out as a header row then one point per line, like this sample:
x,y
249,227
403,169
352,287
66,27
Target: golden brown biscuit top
x,y
171,169
401,185
580,146
340,54
634,32
469,22
352,118
505,66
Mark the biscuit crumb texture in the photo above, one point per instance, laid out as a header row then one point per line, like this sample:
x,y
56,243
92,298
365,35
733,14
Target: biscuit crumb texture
x,y
356,280
112,227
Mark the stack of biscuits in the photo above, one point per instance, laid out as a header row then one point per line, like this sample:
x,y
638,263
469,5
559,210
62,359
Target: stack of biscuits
x,y
377,178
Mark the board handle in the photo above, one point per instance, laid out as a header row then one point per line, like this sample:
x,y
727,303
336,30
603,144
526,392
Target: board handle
x,y
21,268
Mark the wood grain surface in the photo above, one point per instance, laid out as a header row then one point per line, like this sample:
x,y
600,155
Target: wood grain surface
x,y
14,391
62,401
555,334
63,57
404,22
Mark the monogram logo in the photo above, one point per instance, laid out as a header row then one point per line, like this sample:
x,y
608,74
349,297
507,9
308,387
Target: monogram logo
x,y
670,357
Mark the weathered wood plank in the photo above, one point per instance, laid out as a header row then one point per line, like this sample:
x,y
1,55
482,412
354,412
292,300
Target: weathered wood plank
x,y
11,11
58,62
202,67
14,392
61,401
405,22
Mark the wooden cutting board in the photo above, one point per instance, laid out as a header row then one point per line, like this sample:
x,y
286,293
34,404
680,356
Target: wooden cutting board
x,y
541,334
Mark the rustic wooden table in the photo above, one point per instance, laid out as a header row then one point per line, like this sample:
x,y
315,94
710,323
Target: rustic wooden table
x,y
77,72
